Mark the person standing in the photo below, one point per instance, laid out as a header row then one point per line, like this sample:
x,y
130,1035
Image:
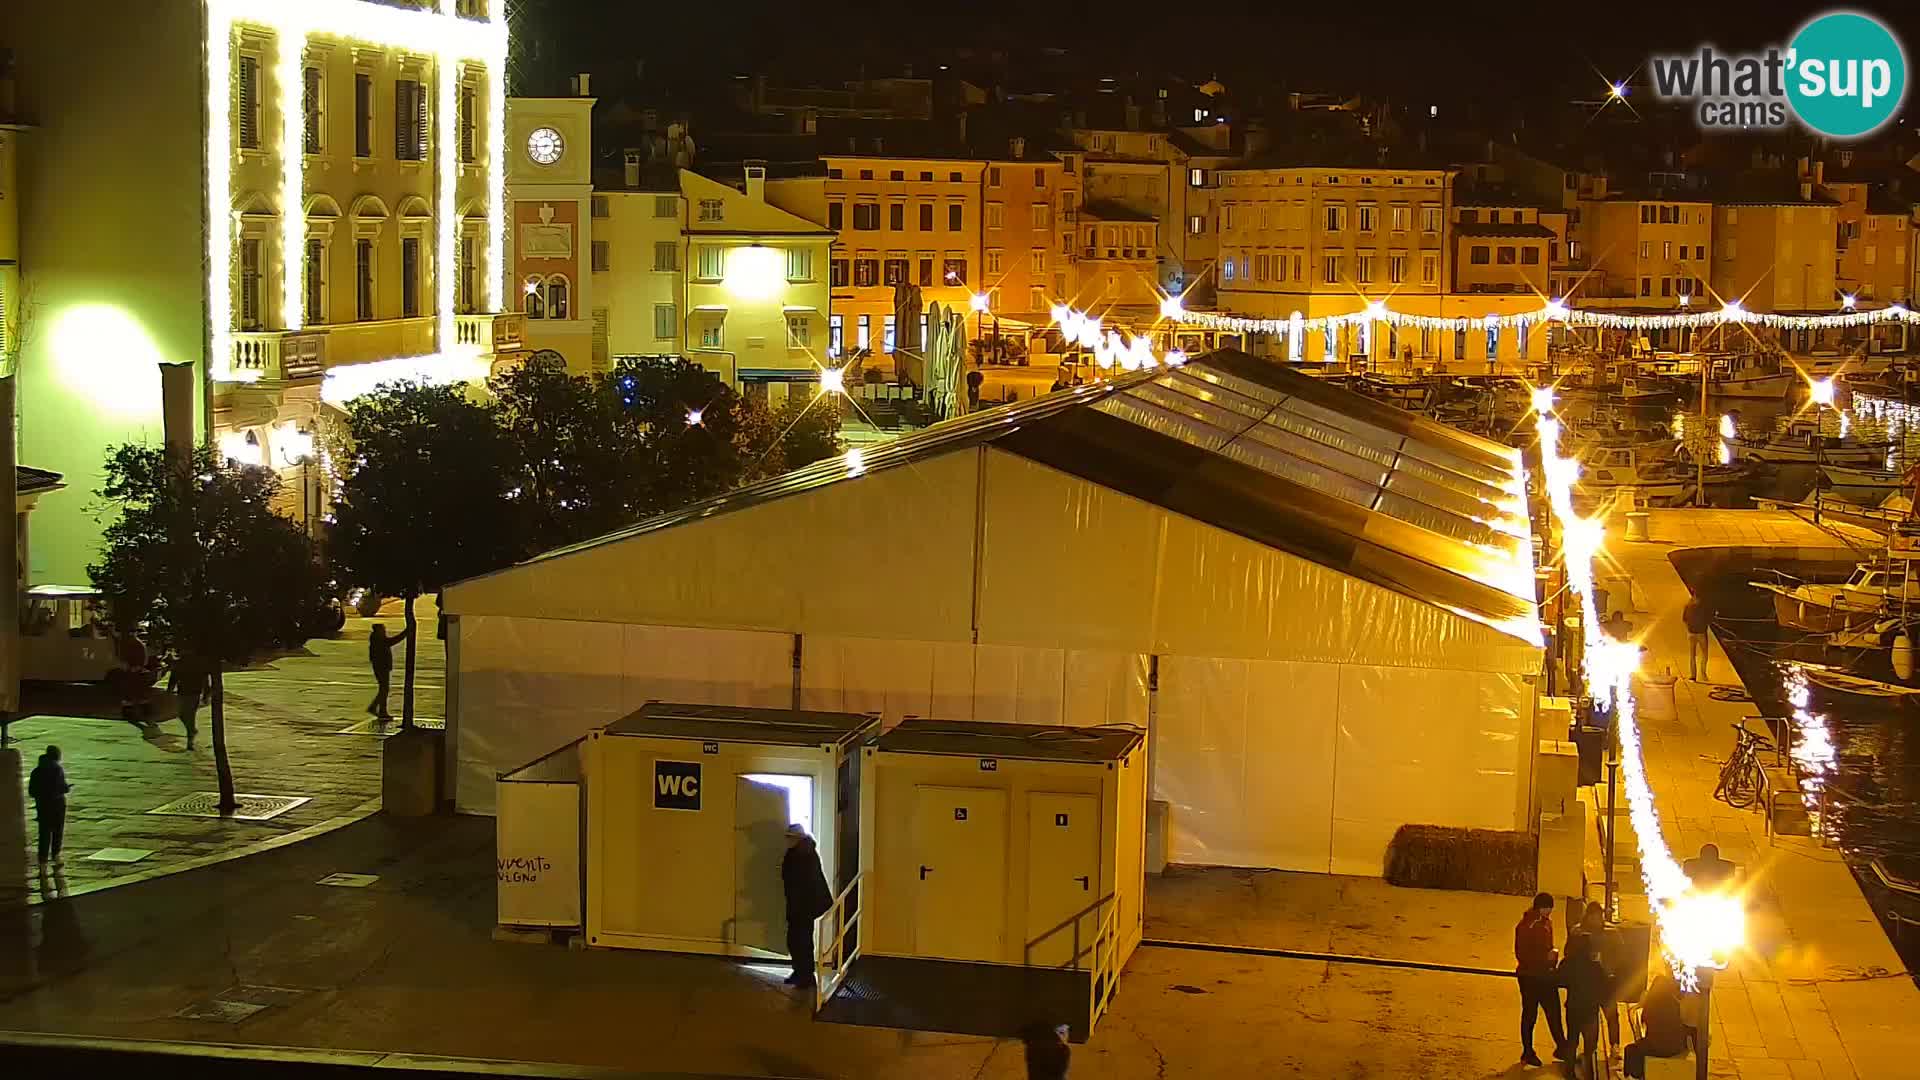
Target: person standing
x,y
189,687
1534,956
1047,1052
807,899
380,658
1588,985
47,786
1699,619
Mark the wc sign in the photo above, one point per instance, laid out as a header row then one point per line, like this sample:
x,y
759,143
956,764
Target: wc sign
x,y
676,785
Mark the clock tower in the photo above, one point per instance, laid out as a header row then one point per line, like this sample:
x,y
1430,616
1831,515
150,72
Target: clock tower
x,y
550,225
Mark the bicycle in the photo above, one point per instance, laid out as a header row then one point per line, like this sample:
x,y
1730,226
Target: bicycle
x,y
1742,778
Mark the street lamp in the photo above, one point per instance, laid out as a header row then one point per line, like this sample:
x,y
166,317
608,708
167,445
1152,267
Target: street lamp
x,y
294,446
980,302
1820,392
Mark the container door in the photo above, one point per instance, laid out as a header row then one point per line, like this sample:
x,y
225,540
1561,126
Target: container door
x,y
960,842
763,806
1063,878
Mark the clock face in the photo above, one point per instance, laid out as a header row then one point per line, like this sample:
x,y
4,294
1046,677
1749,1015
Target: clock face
x,y
545,146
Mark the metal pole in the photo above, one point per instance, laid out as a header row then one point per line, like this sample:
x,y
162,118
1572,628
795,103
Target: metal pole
x,y
10,569
1613,823
1819,455
1700,462
1700,1038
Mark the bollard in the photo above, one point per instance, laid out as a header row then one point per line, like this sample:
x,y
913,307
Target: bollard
x,y
1637,525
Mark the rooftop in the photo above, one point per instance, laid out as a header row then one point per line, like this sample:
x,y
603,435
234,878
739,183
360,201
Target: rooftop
x,y
738,724
1030,742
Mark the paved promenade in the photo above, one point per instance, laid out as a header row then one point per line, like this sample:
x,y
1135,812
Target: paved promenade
x,y
1822,994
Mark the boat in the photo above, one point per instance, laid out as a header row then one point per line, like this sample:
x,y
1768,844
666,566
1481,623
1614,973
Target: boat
x,y
1857,602
1643,389
1803,444
1870,485
1751,376
1846,682
1651,469
1408,392
1831,364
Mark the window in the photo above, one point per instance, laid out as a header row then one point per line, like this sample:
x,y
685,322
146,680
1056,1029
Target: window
x,y
866,271
1530,255
713,262
1430,219
362,114
799,331
1666,250
799,264
993,176
1727,249
896,175
865,330
1523,331
713,210
1459,344
666,326
894,271
1731,217
1870,254
1336,218
712,334
926,217
1646,249
836,331
1196,224
1330,269
1226,215
1399,218
665,206
834,174
1429,268
600,206
1573,251
1700,250
926,175
311,100
1037,261
1226,269
466,255
250,300
1646,215
1040,178
469,122
363,279
897,216
1480,255
1196,178
955,178
1493,341
1666,286
837,271
866,216
836,215
993,261
866,174
996,215
1042,216
953,271
953,216
925,277
1506,256
410,277
601,257
246,89
886,332
1363,268
1397,267
409,120
1646,286
666,255
1367,216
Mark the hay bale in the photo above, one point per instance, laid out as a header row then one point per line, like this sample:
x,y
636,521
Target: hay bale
x,y
1481,860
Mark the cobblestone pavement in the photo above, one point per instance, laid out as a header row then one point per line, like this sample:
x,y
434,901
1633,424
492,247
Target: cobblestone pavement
x,y
285,719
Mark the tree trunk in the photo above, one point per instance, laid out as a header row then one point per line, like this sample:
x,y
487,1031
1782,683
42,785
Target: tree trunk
x,y
406,685
224,767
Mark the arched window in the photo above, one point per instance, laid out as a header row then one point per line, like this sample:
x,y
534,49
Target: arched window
x,y
557,290
534,299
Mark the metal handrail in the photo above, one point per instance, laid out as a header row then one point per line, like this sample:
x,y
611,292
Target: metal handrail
x,y
1106,954
831,955
1072,920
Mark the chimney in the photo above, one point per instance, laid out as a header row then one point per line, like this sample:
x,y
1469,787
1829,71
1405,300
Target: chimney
x,y
1133,115
583,85
1017,148
1806,188
1819,172
757,181
632,163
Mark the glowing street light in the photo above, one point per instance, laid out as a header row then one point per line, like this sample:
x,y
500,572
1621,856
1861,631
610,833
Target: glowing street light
x,y
1171,308
833,380
1820,391
1848,301
693,417
978,301
1542,399
1685,300
1616,91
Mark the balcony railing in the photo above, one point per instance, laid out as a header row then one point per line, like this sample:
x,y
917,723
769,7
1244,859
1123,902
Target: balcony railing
x,y
502,332
276,355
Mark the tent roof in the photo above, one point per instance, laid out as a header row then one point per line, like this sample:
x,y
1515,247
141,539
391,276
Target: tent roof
x,y
1258,450
1036,742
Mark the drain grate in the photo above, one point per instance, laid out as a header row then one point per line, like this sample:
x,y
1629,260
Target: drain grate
x,y
251,808
239,1003
384,728
349,881
119,855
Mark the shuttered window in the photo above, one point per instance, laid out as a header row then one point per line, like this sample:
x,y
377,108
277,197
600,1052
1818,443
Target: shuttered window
x,y
409,120
363,279
468,109
362,115
249,284
247,103
410,276
310,101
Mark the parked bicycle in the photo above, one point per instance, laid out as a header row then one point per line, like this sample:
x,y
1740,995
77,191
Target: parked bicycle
x,y
1742,778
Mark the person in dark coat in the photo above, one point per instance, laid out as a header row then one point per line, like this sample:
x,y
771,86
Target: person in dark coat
x,y
47,786
189,685
1047,1052
380,658
1534,956
1589,987
1664,1027
808,898
1699,619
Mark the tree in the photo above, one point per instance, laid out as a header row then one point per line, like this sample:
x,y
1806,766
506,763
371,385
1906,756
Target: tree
x,y
575,477
429,495
799,433
200,565
673,459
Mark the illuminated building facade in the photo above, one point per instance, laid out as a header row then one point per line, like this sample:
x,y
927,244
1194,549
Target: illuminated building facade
x,y
299,200
552,240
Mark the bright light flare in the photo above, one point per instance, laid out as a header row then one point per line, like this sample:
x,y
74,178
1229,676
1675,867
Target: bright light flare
x,y
1542,399
1171,308
1704,929
1820,391
833,380
1616,91
1727,430
694,416
1848,301
856,462
978,301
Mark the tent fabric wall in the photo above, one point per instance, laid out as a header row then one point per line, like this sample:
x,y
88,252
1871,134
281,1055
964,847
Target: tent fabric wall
x,y
1312,766
528,685
748,568
1004,684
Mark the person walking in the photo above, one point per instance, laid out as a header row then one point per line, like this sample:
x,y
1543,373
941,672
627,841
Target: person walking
x,y
1584,974
380,658
1664,1031
1534,957
189,686
808,898
47,786
1699,619
1047,1052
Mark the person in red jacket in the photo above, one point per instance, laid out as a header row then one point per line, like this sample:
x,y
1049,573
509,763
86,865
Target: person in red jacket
x,y
1535,962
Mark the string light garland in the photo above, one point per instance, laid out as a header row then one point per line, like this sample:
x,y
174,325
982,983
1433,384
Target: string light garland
x,y
1108,347
1732,312
1698,930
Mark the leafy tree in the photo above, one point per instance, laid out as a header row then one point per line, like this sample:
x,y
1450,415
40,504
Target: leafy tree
x,y
799,433
429,495
576,476
200,565
674,461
